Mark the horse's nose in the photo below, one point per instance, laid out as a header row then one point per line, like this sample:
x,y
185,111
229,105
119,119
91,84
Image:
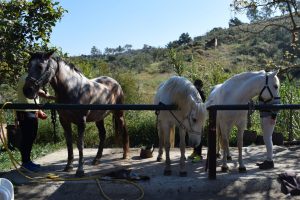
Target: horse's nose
x,y
28,92
194,140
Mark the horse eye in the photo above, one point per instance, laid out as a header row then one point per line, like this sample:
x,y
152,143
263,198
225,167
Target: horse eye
x,y
276,87
194,120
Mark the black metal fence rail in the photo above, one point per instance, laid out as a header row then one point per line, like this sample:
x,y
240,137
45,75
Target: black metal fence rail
x,y
88,106
212,160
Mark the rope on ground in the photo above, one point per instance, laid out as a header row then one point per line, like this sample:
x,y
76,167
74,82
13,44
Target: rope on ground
x,y
51,177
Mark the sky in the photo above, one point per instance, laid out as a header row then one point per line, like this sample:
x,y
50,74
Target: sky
x,y
110,23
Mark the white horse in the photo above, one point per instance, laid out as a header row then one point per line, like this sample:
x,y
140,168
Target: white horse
x,y
240,89
190,117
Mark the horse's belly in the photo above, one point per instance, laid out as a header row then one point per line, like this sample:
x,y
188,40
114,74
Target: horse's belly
x,y
78,116
232,117
96,115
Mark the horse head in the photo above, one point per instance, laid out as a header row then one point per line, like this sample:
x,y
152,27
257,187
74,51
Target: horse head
x,y
196,121
41,69
270,90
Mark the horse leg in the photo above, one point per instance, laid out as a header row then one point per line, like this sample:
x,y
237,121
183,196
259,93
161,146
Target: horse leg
x,y
80,146
102,136
225,144
268,129
166,130
182,171
161,141
121,128
218,142
242,167
68,136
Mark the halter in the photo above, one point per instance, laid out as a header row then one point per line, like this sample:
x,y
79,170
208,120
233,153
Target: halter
x,y
38,83
188,117
266,87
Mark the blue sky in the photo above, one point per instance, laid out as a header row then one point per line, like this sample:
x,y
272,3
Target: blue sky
x,y
110,23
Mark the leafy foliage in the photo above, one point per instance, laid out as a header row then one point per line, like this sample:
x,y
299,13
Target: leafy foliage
x,y
25,26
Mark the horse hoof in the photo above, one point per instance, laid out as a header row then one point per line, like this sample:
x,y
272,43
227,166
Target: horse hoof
x,y
224,169
68,168
159,159
167,172
79,173
242,169
229,158
125,156
95,162
183,174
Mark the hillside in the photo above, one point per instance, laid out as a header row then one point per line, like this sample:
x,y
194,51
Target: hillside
x,y
237,51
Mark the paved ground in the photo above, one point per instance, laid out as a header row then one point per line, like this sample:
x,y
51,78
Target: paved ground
x,y
255,184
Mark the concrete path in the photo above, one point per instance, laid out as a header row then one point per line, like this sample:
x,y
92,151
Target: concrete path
x,y
255,184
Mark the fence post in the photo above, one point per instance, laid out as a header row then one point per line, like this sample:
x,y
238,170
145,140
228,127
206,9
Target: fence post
x,y
212,159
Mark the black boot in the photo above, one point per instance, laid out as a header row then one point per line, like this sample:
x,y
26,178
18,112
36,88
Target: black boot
x,y
266,164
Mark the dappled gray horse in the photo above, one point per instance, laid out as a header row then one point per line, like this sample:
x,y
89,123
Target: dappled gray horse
x,y
72,87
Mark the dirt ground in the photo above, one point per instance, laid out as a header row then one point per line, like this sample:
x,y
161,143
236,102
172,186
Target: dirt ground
x,y
255,184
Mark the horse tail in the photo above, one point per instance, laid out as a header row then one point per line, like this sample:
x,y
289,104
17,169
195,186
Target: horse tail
x,y
120,127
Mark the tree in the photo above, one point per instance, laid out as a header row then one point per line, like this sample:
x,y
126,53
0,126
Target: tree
x,y
280,13
95,51
25,26
235,22
184,39
128,47
176,60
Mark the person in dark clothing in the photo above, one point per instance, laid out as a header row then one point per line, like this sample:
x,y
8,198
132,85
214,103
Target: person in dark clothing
x,y
196,156
27,120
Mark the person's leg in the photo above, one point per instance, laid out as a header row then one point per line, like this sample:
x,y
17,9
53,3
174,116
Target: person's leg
x,y
28,125
267,128
198,153
198,149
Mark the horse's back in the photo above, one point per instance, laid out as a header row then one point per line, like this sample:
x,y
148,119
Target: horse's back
x,y
113,88
175,90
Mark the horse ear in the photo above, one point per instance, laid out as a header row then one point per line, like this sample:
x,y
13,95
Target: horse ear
x,y
49,54
274,73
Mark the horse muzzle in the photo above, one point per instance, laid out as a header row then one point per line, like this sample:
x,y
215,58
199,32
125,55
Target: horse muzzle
x,y
194,139
29,92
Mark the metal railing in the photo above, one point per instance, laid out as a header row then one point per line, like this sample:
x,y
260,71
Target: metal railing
x,y
89,106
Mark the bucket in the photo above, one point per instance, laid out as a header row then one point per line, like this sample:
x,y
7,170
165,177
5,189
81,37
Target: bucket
x,y
147,152
6,189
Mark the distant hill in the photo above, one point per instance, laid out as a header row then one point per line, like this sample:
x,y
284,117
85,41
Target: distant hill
x,y
237,50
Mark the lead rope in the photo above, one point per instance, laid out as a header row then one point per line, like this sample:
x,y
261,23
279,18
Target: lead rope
x,y
53,120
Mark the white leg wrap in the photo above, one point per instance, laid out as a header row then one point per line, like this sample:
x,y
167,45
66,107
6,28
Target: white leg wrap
x,y
268,128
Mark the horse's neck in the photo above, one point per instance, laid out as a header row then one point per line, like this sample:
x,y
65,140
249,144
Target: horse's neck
x,y
66,82
242,92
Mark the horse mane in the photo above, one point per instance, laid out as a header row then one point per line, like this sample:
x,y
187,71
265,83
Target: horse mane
x,y
70,65
73,67
41,55
180,88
